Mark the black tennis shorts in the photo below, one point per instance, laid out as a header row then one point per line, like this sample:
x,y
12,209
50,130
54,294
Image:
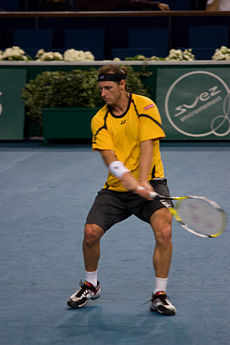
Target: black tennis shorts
x,y
112,207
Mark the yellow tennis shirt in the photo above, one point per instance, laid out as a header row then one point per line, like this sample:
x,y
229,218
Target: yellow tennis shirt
x,y
123,135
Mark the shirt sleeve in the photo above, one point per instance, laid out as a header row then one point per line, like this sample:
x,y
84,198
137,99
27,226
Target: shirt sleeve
x,y
150,122
101,138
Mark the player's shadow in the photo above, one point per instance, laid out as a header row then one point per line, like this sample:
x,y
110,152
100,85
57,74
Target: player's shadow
x,y
105,327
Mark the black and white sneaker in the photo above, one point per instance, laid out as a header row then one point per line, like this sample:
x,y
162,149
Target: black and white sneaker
x,y
87,291
161,304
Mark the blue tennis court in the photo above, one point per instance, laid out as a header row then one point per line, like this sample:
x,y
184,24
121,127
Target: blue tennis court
x,y
46,192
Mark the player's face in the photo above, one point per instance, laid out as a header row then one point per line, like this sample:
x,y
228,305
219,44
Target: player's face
x,y
110,91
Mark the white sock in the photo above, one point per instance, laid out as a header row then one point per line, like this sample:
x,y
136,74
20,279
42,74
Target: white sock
x,y
91,277
160,284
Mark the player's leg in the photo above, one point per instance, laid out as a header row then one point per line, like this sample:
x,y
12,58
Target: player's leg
x,y
91,246
106,210
161,222
90,289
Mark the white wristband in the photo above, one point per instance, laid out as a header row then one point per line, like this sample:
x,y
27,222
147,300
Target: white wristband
x,y
118,169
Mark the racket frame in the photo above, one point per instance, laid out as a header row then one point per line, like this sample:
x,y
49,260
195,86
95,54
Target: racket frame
x,y
175,214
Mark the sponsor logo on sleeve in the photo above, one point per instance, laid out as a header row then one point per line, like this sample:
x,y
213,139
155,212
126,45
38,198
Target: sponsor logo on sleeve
x,y
149,106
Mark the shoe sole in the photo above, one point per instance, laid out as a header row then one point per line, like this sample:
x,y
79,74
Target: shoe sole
x,y
163,311
96,297
75,305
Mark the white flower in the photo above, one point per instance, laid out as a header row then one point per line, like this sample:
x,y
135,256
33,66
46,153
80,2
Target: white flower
x,y
78,55
57,56
224,50
14,53
223,53
141,57
179,55
89,56
48,56
40,52
154,58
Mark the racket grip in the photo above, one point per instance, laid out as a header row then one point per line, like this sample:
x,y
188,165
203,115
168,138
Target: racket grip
x,y
153,195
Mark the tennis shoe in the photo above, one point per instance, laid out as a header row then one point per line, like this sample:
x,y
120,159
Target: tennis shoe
x,y
87,291
161,304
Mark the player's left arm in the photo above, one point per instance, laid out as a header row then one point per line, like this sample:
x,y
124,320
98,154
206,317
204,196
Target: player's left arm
x,y
150,131
146,157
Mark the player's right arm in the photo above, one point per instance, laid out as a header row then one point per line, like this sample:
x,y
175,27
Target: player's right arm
x,y
118,169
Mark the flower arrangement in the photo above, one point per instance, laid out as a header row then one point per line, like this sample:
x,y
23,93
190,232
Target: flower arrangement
x,y
156,58
69,55
174,55
223,53
179,55
140,57
14,54
78,55
48,56
17,54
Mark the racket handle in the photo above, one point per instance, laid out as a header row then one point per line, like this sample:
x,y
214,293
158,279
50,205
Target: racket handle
x,y
153,195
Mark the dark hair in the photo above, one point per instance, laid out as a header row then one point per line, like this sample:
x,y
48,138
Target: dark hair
x,y
114,69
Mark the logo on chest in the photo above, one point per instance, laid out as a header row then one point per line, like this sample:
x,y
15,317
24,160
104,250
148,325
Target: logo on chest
x,y
123,122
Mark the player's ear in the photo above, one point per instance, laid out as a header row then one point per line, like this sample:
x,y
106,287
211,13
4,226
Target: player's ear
x,y
122,84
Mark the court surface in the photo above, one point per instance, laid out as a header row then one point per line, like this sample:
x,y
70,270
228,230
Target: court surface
x,y
45,196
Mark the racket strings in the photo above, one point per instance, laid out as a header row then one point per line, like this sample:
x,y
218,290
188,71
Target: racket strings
x,y
201,216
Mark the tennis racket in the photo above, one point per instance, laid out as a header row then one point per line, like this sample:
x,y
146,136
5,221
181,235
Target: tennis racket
x,y
196,214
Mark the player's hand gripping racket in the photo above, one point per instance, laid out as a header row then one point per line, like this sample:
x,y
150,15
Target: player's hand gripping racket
x,y
197,214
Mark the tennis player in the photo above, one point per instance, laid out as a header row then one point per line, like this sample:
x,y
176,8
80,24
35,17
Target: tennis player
x,y
126,132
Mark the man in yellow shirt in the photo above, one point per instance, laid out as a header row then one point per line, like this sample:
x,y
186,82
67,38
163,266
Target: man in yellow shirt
x,y
126,132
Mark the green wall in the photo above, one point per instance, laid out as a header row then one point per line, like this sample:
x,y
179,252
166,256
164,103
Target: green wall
x,y
193,98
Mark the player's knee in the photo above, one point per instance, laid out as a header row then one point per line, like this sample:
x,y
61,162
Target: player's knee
x,y
161,222
164,236
92,234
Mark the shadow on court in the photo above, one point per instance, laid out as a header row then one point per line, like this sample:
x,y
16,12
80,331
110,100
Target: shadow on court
x,y
46,193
